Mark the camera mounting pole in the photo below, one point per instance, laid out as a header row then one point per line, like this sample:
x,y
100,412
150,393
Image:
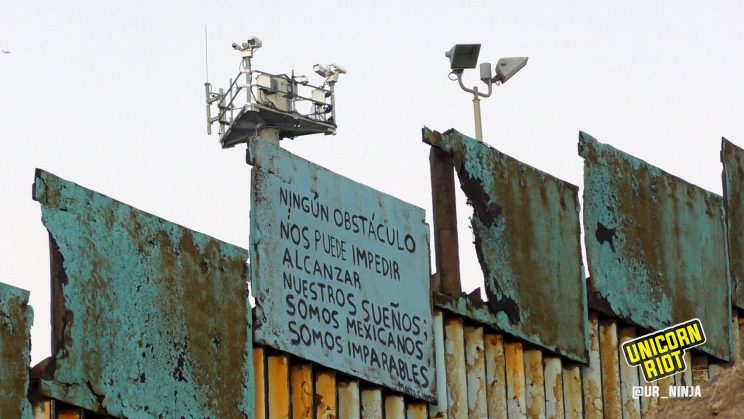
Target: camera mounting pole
x,y
476,102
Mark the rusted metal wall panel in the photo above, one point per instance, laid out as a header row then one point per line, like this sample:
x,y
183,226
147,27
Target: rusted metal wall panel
x,y
732,158
610,368
553,388
495,376
302,390
16,318
475,368
573,400
325,394
416,411
278,389
591,374
515,380
629,377
259,377
656,246
335,264
371,403
454,360
349,405
534,383
148,316
395,407
527,238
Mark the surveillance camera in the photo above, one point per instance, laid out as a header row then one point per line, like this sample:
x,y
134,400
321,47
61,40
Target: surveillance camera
x,y
235,46
485,73
322,70
301,79
339,69
255,42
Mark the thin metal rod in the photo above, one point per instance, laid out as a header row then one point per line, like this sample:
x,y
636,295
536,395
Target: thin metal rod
x,y
206,52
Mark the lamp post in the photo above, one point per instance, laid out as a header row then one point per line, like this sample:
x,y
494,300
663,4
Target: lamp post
x,y
463,56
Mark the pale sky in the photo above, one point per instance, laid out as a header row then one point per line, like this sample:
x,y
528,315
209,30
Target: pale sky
x,y
110,95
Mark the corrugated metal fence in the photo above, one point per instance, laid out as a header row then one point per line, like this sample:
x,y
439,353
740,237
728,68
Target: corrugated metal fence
x,y
498,361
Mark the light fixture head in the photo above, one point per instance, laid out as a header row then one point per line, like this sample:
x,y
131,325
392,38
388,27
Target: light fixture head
x,y
508,67
463,56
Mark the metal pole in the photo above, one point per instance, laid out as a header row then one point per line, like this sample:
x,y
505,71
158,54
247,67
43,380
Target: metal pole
x,y
477,112
476,104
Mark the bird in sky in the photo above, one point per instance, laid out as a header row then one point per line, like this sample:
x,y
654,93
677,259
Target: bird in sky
x,y
5,51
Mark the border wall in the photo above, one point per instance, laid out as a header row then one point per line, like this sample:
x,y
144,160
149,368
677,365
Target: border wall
x,y
546,344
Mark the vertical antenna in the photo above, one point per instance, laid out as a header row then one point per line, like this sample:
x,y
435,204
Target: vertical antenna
x,y
206,52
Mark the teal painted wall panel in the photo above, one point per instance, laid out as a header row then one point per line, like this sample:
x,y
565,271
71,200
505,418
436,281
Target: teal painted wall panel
x,y
527,238
341,273
732,158
149,318
16,318
656,246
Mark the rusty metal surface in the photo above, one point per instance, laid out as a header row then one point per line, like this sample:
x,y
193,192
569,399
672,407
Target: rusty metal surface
x,y
495,376
334,265
278,386
446,247
572,395
656,246
629,378
416,411
302,390
349,405
475,368
454,361
372,403
732,158
553,388
610,367
527,238
439,409
148,316
534,383
395,407
325,395
515,380
591,374
16,318
259,377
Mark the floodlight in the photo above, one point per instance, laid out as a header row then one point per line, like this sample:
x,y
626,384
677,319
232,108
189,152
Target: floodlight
x,y
507,67
463,56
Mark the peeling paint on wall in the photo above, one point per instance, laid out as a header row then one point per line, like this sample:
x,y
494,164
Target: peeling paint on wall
x,y
732,158
16,318
527,238
656,246
149,318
